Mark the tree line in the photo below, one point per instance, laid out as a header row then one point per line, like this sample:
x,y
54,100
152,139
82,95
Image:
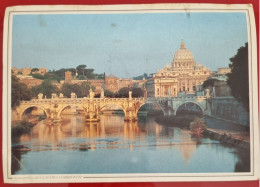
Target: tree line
x,y
80,73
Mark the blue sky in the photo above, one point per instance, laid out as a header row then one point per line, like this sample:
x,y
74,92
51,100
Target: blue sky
x,y
125,45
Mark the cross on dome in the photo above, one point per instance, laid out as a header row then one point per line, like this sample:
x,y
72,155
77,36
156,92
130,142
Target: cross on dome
x,y
182,44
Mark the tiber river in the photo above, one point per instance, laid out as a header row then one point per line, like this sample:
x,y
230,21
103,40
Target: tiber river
x,y
115,146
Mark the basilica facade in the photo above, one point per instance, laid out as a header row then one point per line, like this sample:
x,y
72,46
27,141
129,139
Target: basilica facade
x,y
183,76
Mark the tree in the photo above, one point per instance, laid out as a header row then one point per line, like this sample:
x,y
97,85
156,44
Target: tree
x,y
81,77
123,92
81,68
38,76
209,83
108,93
46,88
80,90
34,69
20,92
238,78
137,92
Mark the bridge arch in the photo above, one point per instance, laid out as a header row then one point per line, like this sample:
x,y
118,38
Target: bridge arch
x,y
154,103
21,114
69,105
112,104
194,102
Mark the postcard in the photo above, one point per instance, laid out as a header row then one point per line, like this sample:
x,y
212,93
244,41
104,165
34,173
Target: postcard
x,y
130,93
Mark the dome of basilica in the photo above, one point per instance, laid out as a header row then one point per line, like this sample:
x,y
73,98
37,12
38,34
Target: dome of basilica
x,y
183,54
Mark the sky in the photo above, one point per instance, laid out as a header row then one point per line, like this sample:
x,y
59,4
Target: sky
x,y
125,45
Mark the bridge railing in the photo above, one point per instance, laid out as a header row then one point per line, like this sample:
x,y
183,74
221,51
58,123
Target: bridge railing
x,y
176,98
69,100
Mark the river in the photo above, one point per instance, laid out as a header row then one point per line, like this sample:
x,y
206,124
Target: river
x,y
115,146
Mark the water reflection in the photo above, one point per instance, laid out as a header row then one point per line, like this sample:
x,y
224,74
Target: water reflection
x,y
168,149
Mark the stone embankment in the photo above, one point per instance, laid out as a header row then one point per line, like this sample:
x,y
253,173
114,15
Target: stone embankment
x,y
241,139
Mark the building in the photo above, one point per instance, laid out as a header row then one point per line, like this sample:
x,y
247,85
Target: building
x,y
223,71
183,76
123,82
68,77
111,83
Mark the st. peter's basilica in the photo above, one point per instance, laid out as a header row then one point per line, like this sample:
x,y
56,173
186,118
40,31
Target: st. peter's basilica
x,y
183,77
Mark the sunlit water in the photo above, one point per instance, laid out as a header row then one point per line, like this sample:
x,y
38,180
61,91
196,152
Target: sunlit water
x,y
116,146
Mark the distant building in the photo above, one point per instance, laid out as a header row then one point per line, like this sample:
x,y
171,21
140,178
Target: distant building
x,y
122,82
223,71
111,83
68,77
183,76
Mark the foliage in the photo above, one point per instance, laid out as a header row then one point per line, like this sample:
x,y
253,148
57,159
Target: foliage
x,y
123,92
99,76
81,69
140,77
210,83
19,92
89,73
38,76
46,88
198,126
137,92
108,93
80,90
21,128
81,77
238,78
34,69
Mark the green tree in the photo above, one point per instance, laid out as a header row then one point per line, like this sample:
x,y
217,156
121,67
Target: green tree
x,y
108,93
19,92
46,88
137,92
238,78
90,73
209,83
123,92
81,77
38,76
80,90
34,69
81,69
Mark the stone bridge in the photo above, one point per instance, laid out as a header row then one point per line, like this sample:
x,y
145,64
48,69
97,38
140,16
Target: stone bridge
x,y
170,105
92,106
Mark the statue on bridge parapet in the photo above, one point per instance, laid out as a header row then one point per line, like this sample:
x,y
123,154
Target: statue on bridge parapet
x,y
40,96
130,95
91,94
73,96
102,94
61,95
54,96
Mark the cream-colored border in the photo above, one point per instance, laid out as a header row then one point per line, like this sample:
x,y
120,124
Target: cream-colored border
x,y
128,9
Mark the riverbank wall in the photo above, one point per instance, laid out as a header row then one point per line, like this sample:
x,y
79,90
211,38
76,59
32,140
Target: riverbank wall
x,y
231,138
227,108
